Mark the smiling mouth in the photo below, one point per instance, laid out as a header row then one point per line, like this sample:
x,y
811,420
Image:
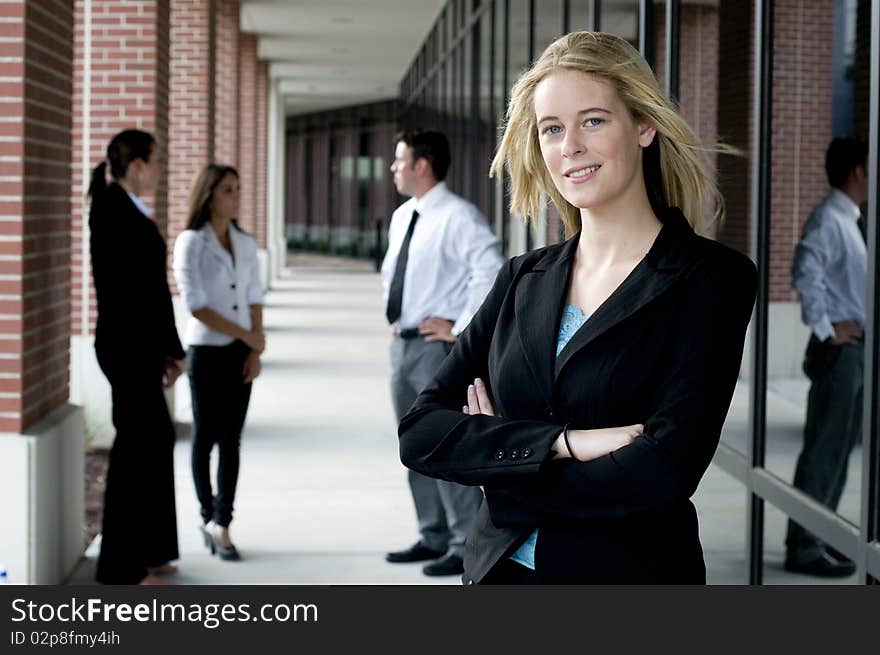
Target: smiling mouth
x,y
582,172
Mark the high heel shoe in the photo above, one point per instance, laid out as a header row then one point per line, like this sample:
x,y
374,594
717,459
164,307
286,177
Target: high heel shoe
x,y
229,553
208,538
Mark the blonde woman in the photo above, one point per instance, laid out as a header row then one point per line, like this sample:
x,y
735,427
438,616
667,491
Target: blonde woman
x,y
588,394
215,265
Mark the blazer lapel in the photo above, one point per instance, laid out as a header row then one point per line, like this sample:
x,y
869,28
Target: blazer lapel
x,y
214,246
656,273
538,304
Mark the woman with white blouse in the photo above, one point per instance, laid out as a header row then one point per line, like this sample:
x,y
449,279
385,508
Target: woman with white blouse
x,y
215,266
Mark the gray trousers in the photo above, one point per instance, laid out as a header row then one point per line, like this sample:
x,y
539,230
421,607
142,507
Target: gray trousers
x,y
833,427
444,509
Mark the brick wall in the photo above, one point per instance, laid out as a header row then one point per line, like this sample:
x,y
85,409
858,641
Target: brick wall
x,y
126,84
35,119
801,128
862,69
191,130
247,126
226,84
735,120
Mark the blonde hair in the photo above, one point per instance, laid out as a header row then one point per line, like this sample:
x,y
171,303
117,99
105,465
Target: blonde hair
x,y
678,174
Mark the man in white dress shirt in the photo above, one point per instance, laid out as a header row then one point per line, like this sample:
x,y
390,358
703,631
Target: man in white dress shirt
x,y
442,259
830,274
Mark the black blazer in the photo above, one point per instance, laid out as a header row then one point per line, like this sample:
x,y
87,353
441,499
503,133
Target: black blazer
x,y
664,350
135,330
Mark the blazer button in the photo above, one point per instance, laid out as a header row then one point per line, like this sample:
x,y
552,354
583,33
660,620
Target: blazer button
x,y
499,455
231,286
235,307
526,452
514,454
470,582
549,413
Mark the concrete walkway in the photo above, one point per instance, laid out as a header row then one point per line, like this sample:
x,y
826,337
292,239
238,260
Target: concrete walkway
x,y
322,495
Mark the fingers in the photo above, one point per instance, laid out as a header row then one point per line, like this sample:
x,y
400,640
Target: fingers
x,y
478,400
473,401
483,398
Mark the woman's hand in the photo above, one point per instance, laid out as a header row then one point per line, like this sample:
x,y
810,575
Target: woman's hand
x,y
256,341
592,444
252,367
173,369
478,399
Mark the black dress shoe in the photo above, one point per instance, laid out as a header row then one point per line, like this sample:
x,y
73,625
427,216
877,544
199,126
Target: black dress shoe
x,y
824,566
448,565
840,557
418,552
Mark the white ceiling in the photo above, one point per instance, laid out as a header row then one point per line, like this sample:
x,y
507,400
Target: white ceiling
x,y
334,53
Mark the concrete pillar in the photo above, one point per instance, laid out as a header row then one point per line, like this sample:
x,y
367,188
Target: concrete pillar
x,y
41,436
272,190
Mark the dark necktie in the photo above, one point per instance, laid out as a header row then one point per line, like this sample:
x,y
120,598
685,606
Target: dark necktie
x,y
395,293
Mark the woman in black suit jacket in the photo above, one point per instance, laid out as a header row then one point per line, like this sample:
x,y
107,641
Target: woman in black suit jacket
x,y
138,350
589,437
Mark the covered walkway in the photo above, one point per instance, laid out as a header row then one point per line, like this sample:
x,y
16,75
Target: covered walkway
x,y
322,495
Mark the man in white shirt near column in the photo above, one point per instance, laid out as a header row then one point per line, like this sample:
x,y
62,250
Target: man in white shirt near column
x,y
830,274
442,259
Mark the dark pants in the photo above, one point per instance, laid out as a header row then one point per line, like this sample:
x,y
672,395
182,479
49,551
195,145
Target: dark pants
x,y
445,510
219,403
833,426
139,524
508,572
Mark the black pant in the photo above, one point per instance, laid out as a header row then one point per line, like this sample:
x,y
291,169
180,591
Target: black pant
x,y
139,527
508,572
220,402
833,427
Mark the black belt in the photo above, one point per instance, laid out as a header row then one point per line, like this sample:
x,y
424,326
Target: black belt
x,y
408,333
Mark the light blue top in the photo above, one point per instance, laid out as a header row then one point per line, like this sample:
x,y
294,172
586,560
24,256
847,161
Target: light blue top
x,y
830,268
572,320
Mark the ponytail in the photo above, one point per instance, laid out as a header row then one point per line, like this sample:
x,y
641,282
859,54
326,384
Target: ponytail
x,y
123,149
99,180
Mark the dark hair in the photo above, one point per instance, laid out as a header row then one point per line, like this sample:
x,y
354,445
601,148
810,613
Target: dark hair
x,y
124,148
430,145
202,190
843,156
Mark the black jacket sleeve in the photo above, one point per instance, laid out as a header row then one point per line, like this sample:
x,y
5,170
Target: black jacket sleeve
x,y
665,465
440,441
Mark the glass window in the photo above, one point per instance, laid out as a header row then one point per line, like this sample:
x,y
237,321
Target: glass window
x,y
580,15
814,390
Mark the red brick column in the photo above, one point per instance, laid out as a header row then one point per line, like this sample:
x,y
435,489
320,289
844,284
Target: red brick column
x,y
124,84
735,119
247,129
801,128
262,153
191,131
226,83
35,121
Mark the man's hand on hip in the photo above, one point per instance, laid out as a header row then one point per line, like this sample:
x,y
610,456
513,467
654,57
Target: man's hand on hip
x,y
846,332
437,329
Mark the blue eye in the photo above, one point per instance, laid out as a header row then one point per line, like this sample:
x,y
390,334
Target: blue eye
x,y
593,122
551,129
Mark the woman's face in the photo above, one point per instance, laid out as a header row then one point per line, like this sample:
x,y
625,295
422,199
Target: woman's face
x,y
144,175
589,140
224,199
